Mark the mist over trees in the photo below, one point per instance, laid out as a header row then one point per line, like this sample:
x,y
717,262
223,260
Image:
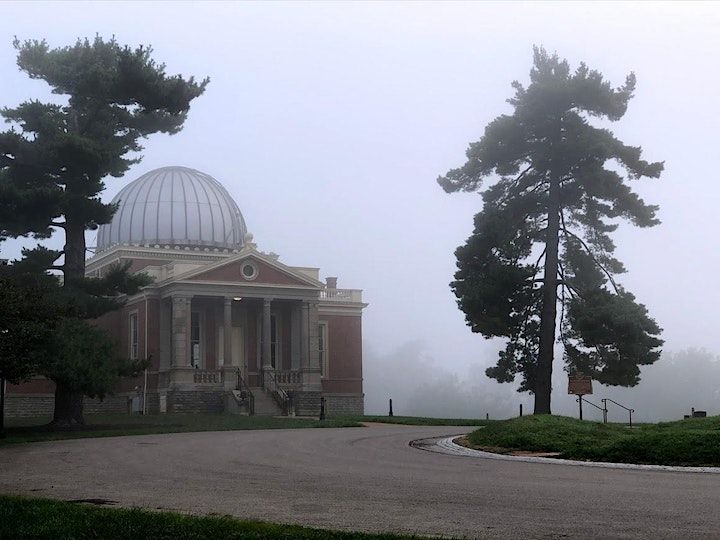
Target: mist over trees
x,y
668,389
421,385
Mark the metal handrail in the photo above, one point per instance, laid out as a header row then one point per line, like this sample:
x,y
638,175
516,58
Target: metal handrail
x,y
628,409
598,407
277,392
251,397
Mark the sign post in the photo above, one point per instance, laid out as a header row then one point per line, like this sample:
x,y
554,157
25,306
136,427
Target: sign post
x,y
580,402
579,385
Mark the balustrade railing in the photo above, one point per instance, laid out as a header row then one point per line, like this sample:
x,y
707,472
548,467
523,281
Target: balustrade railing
x,y
288,377
341,295
208,376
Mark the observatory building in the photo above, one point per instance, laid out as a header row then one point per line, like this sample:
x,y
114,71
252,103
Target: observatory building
x,y
226,326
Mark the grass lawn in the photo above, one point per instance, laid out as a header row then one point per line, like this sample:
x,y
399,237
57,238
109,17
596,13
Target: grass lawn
x,y
35,429
695,441
42,518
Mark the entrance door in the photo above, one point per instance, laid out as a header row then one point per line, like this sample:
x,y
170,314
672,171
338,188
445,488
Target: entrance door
x,y
238,350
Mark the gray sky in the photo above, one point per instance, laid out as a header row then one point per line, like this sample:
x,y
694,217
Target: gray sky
x,y
329,123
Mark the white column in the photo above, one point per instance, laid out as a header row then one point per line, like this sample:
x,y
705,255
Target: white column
x,y
304,335
266,335
314,336
188,333
295,337
227,331
165,333
180,331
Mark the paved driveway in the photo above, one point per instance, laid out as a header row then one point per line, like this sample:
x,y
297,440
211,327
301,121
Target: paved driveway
x,y
365,479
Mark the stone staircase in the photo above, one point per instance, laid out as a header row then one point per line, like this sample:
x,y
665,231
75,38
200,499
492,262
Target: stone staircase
x,y
264,403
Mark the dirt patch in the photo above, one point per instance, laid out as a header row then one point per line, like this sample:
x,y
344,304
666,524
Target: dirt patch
x,y
96,502
463,441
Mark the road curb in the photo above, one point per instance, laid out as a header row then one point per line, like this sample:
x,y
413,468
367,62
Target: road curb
x,y
447,445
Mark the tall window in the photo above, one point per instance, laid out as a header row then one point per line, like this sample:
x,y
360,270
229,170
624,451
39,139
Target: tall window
x,y
133,335
195,339
323,348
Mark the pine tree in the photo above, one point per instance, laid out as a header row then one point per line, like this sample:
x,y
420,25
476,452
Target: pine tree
x,y
54,159
543,238
29,314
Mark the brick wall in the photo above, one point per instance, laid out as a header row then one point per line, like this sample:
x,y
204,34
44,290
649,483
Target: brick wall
x,y
345,354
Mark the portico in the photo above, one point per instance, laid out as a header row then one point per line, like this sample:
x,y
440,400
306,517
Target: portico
x,y
214,338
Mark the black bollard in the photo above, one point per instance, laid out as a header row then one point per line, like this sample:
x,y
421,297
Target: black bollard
x,y
521,409
322,408
390,413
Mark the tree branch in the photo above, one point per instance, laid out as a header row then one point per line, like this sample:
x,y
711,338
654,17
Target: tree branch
x,y
598,263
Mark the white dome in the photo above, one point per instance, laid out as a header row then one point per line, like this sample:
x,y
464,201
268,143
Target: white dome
x,y
174,206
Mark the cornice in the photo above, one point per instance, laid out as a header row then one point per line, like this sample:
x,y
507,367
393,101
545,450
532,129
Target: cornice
x,y
140,252
203,288
347,309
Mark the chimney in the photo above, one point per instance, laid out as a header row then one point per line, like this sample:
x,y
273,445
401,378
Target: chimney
x,y
331,282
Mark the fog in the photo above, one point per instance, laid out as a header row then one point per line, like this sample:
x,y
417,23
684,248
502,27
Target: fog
x,y
420,385
329,122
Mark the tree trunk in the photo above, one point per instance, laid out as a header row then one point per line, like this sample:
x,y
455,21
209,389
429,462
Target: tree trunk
x,y
68,407
69,403
543,376
74,266
2,407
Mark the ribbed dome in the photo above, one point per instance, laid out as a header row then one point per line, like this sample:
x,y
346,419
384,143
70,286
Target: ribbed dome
x,y
174,206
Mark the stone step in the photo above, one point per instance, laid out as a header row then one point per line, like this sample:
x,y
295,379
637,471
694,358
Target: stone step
x,y
264,403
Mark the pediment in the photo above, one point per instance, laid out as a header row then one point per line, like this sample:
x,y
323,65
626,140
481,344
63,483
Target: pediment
x,y
251,268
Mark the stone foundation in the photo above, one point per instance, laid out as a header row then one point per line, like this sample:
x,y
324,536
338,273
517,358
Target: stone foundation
x,y
195,401
344,404
153,403
110,405
19,405
181,401
306,403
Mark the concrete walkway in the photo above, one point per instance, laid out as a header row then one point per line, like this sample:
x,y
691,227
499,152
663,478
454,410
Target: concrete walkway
x,y
447,445
367,479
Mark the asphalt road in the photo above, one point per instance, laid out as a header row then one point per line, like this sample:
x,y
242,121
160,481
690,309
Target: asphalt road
x,y
365,479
